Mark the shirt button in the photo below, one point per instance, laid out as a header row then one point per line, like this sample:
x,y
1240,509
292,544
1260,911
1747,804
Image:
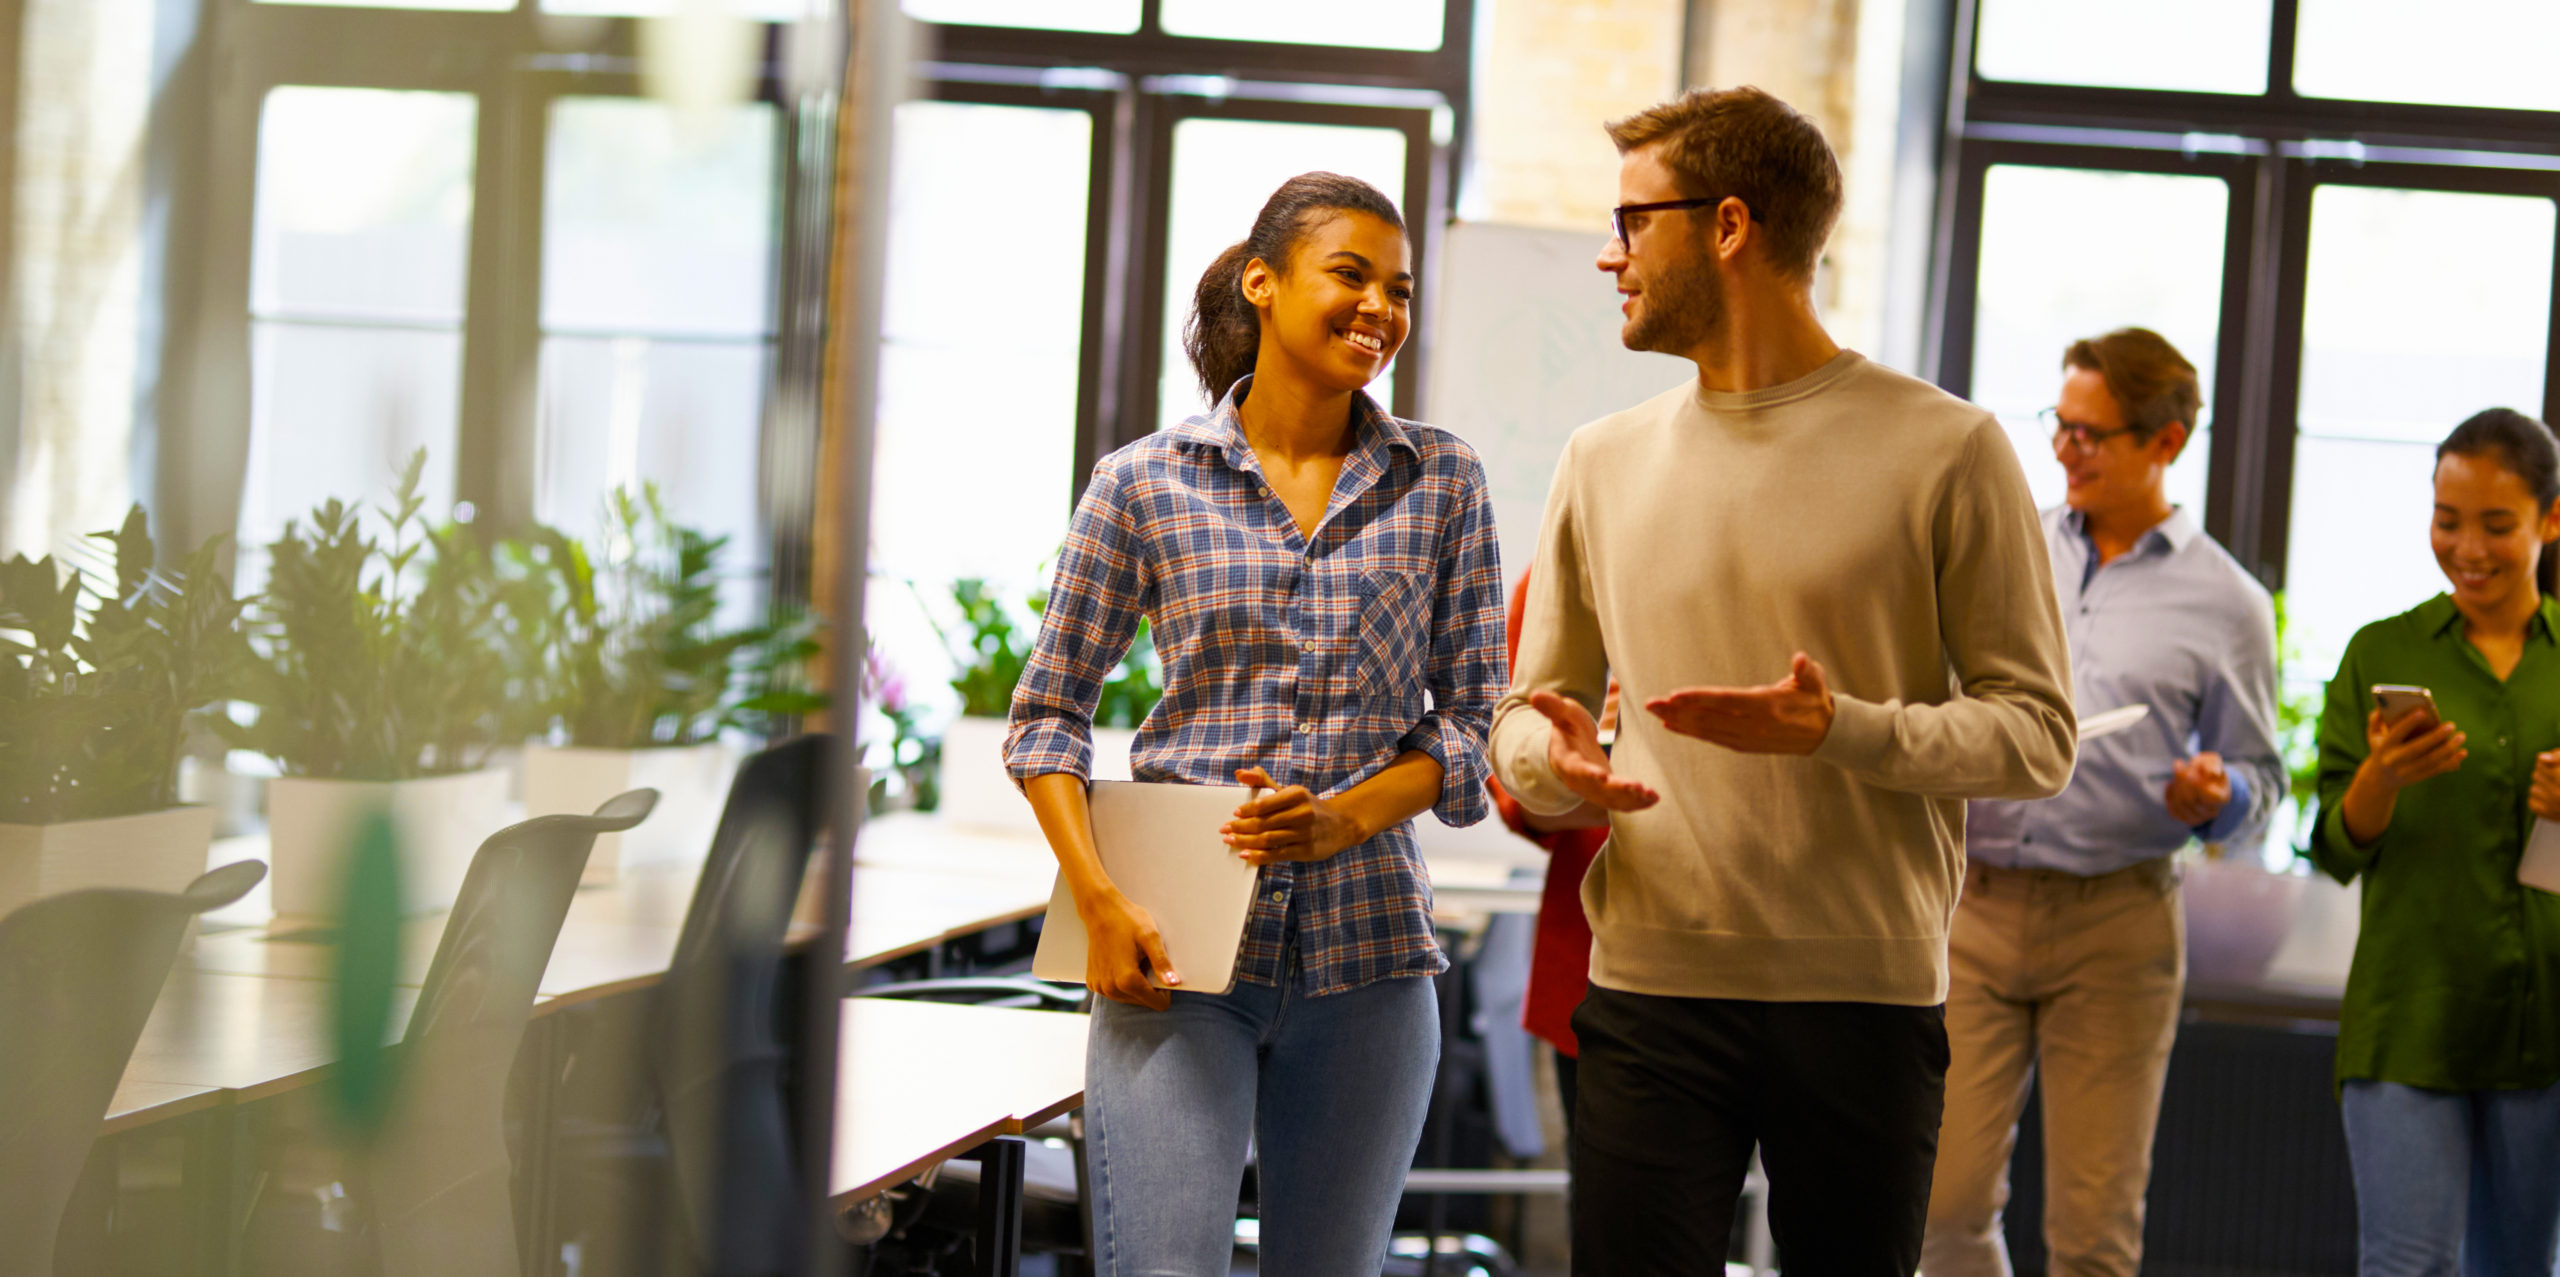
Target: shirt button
x,y
1306,729
1277,897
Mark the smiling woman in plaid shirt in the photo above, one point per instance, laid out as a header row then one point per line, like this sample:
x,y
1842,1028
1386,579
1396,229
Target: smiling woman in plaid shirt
x,y
1326,598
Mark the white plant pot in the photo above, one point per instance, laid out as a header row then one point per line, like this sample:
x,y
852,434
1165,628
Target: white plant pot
x,y
2238,916
692,783
977,792
442,820
155,851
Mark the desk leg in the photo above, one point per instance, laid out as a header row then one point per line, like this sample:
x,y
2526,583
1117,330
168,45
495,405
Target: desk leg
x,y
1000,1164
538,1198
221,1168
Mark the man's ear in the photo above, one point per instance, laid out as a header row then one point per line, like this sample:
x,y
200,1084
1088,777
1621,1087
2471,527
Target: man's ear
x,y
1257,282
1734,229
2172,440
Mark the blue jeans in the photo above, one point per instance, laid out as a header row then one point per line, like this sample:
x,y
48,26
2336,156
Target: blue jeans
x,y
2452,1181
1330,1090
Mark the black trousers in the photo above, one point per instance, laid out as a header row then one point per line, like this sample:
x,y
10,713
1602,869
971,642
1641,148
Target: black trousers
x,y
1841,1098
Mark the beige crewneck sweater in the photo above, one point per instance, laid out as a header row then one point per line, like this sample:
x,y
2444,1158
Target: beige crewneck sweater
x,y
1702,539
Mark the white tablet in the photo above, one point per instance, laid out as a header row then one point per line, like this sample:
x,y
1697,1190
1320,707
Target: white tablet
x,y
1160,845
2112,721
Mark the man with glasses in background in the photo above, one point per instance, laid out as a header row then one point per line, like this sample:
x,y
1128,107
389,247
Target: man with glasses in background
x,y
2068,954
1769,916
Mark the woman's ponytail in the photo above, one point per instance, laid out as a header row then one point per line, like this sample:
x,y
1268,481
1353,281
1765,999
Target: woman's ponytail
x,y
1224,332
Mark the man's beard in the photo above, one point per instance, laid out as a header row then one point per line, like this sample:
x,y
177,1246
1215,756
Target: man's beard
x,y
1677,312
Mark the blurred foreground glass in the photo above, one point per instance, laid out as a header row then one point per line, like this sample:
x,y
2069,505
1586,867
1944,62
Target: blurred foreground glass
x,y
657,317
1223,172
360,239
973,463
2420,309
1112,17
480,6
2199,46
1349,24
2073,253
2494,53
759,10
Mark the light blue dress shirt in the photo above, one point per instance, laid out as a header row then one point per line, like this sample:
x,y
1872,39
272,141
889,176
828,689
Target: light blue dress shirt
x,y
2174,623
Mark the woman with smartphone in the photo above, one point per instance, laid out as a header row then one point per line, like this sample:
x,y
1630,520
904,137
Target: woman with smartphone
x,y
2439,747
1325,594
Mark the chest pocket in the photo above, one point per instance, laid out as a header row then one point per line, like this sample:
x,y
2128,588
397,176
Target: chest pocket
x,y
1395,626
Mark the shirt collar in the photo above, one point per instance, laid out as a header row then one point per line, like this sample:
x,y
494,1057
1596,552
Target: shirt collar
x,y
2440,617
2172,534
1222,428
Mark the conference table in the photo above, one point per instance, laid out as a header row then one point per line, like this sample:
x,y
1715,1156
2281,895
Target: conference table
x,y
246,1015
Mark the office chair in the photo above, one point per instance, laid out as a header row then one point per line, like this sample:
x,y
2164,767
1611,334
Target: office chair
x,y
438,1180
79,973
714,1047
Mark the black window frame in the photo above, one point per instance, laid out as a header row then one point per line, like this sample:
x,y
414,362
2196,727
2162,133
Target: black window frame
x,y
2274,148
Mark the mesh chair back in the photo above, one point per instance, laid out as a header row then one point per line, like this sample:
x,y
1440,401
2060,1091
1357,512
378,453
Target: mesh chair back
x,y
716,1051
79,973
439,1176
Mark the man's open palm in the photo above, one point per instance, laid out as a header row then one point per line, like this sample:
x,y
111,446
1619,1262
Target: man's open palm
x,y
1573,751
1790,716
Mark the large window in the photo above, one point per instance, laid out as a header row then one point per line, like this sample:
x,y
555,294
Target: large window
x,y
2349,228
360,246
467,230
1077,165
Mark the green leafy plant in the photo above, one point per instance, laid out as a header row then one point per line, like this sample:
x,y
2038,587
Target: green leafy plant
x,y
377,660
632,655
995,649
96,690
2297,725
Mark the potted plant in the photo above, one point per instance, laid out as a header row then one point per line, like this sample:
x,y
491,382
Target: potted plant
x,y
380,683
973,787
641,681
96,692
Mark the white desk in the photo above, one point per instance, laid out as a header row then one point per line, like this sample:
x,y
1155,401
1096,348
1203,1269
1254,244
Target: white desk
x,y
919,1083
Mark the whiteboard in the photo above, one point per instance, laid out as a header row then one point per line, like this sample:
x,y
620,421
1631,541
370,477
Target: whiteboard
x,y
1524,348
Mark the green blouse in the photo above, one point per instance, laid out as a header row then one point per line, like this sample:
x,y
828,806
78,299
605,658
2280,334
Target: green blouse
x,y
2456,980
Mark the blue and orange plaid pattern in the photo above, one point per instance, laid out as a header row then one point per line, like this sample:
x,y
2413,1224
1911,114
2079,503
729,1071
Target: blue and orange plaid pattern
x,y
1310,659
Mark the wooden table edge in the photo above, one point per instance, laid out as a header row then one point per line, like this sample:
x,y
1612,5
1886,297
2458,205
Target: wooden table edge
x,y
153,1115
879,1184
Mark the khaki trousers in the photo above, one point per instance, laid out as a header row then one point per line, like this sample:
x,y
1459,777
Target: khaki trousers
x,y
2079,978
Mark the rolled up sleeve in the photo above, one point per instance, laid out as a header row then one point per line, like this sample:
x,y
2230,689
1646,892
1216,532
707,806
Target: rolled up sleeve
x,y
1467,669
1101,589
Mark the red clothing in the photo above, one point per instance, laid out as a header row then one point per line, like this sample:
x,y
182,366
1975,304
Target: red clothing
x,y
1560,960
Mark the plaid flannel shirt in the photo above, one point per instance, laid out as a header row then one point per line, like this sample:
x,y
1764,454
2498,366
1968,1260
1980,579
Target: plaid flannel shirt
x,y
1310,658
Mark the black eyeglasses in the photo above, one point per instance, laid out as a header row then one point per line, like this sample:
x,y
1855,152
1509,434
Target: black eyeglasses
x,y
2083,437
1618,215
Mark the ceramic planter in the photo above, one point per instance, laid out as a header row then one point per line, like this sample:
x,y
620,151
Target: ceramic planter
x,y
154,851
442,820
692,783
2238,916
975,790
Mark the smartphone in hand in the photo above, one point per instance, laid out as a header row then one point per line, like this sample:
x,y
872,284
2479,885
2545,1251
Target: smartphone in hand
x,y
2399,700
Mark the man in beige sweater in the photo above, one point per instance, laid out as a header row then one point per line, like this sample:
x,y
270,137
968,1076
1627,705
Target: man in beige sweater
x,y
1770,915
